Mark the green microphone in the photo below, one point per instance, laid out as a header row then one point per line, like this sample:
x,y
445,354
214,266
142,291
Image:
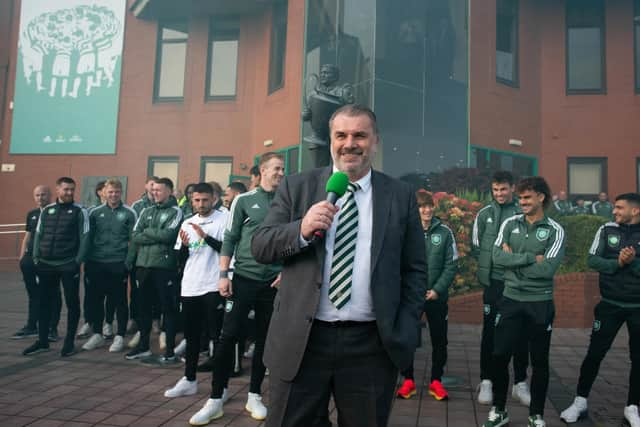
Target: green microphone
x,y
336,187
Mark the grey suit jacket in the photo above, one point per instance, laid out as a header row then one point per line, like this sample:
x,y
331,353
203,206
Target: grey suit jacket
x,y
398,268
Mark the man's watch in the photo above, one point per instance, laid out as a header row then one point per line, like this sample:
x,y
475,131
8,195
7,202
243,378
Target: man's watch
x,y
224,274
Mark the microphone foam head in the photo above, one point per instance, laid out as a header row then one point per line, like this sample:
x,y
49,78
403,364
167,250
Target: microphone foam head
x,y
338,183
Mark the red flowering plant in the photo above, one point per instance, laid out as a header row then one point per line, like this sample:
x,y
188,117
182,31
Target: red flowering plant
x,y
459,213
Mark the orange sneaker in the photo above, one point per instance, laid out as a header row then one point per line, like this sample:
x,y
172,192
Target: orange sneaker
x,y
407,389
437,390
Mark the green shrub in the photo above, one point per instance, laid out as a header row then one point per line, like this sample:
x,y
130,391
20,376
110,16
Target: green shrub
x,y
579,231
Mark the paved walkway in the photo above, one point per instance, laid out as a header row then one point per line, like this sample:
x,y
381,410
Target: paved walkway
x,y
100,388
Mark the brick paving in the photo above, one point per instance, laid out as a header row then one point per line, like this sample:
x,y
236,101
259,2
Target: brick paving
x,y
99,388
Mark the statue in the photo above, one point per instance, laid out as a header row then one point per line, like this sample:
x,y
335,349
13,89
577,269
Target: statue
x,y
324,97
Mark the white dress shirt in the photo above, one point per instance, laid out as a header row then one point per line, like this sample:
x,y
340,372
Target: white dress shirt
x,y
360,305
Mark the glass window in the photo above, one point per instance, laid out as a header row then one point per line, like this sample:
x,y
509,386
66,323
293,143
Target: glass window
x,y
507,41
216,169
585,46
222,66
278,45
587,176
164,167
636,46
171,57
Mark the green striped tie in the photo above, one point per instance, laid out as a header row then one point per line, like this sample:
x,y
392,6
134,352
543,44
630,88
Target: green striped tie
x,y
344,249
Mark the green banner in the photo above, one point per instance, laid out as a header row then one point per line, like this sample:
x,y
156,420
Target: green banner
x,y
68,77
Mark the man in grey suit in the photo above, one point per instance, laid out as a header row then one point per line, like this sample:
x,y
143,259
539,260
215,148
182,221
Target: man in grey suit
x,y
346,314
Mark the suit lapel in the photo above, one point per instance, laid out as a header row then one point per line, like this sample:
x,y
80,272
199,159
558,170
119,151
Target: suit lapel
x,y
381,207
321,194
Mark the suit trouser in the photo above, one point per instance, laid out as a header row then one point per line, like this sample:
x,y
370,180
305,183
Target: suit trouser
x,y
437,318
348,362
247,293
490,298
107,281
608,321
156,284
30,278
200,313
49,278
534,321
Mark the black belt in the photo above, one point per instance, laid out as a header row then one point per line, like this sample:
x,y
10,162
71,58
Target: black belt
x,y
343,323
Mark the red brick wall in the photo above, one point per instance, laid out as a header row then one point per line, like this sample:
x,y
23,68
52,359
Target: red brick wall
x,y
499,112
575,295
553,125
190,130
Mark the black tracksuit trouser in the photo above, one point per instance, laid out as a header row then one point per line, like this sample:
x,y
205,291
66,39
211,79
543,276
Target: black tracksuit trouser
x,y
533,320
49,278
247,293
490,298
107,281
201,313
608,321
437,318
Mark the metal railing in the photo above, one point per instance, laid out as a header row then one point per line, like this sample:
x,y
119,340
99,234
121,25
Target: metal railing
x,y
10,241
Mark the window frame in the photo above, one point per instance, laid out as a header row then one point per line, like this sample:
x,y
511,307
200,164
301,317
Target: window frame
x,y
489,151
515,83
157,98
638,174
279,16
602,90
215,159
602,161
226,34
287,157
152,160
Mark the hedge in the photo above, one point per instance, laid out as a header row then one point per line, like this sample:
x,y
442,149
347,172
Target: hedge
x,y
579,231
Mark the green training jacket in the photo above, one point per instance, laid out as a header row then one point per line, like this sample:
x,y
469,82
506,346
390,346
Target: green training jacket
x,y
524,278
154,236
247,212
110,232
442,258
484,234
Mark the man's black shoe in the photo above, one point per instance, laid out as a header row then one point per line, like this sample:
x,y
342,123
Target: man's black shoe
x,y
53,335
25,332
35,348
206,366
68,349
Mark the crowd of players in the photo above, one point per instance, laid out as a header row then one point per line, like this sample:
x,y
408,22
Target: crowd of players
x,y
183,262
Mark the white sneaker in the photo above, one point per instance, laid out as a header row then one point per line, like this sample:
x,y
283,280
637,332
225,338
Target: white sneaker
x,y
249,353
134,341
536,421
631,415
94,342
577,410
485,392
255,407
183,387
180,348
212,410
117,345
521,392
85,331
162,340
107,330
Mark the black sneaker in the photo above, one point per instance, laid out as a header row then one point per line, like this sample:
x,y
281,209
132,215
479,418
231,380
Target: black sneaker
x,y
25,332
68,349
206,366
53,336
138,353
35,348
160,361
